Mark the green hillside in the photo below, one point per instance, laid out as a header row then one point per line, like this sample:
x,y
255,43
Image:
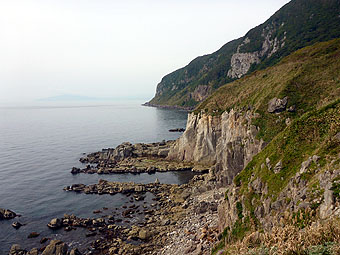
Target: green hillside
x,y
302,152
298,24
309,77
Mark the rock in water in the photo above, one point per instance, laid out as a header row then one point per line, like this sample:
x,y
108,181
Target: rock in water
x,y
56,247
7,214
33,235
54,223
16,225
157,181
43,240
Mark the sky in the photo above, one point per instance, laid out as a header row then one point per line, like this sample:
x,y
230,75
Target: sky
x,y
111,48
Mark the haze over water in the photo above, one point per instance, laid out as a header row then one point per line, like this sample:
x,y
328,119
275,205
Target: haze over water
x,y
39,145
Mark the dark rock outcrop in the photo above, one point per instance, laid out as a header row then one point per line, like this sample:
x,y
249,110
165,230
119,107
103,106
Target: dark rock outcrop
x,y
277,105
7,214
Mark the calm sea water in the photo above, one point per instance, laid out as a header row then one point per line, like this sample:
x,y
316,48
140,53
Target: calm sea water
x,y
39,146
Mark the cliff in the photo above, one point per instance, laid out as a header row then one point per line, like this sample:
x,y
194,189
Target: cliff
x,y
297,24
272,140
228,142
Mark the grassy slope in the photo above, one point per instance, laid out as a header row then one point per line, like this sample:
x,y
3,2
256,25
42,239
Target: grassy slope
x,y
309,77
312,134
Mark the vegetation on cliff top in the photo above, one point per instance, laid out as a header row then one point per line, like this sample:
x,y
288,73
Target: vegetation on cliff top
x,y
310,78
312,134
298,24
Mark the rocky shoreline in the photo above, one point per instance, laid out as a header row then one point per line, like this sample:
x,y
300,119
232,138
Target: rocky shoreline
x,y
172,107
144,228
154,213
135,158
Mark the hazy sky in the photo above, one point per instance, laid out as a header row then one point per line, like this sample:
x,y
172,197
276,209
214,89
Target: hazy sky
x,y
111,48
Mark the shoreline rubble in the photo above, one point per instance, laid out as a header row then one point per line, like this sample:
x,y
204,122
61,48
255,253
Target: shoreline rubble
x,y
154,212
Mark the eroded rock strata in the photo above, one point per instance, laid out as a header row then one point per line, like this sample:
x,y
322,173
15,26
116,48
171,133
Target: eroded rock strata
x,y
226,142
135,158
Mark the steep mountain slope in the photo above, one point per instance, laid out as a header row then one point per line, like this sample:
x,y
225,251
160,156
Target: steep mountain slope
x,y
296,25
292,185
272,139
234,123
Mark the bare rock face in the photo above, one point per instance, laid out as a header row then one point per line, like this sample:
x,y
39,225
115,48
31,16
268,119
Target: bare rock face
x,y
241,62
327,206
278,167
198,142
236,146
277,105
227,141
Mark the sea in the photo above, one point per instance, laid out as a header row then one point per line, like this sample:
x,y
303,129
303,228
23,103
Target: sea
x,y
40,144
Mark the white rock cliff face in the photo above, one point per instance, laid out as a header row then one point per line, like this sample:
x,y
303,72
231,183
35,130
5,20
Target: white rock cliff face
x,y
241,62
198,142
228,142
236,146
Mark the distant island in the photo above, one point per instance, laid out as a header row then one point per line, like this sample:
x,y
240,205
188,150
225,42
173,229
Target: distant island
x,y
69,97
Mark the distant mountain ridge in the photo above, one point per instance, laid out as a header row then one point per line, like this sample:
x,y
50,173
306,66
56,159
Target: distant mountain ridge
x,y
297,24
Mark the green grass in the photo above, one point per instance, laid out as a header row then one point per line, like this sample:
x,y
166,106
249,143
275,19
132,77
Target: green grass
x,y
309,78
336,187
313,133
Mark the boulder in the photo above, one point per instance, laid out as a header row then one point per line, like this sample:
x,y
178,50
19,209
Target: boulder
x,y
43,240
34,251
75,170
202,207
33,235
55,223
7,214
278,167
56,247
16,225
144,234
292,108
305,165
75,252
17,250
277,105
